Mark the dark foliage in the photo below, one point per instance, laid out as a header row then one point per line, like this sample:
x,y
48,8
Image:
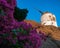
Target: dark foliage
x,y
20,14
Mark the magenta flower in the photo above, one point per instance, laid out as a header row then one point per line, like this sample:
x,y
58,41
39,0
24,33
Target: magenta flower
x,y
15,34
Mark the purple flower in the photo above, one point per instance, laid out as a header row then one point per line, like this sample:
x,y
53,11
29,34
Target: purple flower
x,y
17,33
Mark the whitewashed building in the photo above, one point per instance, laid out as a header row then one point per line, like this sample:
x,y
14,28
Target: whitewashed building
x,y
48,19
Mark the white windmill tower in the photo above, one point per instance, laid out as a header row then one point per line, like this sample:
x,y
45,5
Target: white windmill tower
x,y
48,18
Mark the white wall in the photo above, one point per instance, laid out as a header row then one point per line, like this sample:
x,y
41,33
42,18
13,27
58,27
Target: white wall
x,y
48,19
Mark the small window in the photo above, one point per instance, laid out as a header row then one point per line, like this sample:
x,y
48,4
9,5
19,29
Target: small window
x,y
49,15
44,23
53,19
52,22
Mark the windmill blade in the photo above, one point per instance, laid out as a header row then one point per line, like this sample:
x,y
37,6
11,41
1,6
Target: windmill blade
x,y
39,11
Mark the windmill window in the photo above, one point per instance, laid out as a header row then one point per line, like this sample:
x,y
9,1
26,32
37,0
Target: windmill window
x,y
44,23
49,15
52,22
53,19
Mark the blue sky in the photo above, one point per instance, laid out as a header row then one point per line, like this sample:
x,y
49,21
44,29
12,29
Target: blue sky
x,y
52,6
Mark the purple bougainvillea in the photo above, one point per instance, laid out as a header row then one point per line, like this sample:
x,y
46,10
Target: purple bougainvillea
x,y
15,34
21,37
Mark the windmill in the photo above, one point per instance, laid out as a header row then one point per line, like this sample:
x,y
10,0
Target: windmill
x,y
47,18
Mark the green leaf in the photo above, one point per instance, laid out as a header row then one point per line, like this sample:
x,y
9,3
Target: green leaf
x,y
21,30
20,14
2,12
5,35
